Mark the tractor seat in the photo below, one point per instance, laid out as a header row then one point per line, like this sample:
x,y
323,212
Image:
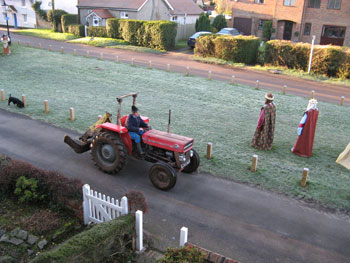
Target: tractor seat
x,y
124,120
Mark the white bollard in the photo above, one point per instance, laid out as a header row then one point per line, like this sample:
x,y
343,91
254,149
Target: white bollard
x,y
168,67
187,71
150,64
284,89
139,230
254,166
342,100
99,117
124,204
72,114
86,191
233,80
257,84
183,236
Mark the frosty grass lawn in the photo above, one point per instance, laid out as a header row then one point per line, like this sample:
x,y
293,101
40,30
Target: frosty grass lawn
x,y
208,111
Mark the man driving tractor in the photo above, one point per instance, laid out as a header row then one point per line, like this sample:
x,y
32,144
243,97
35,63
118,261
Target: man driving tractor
x,y
136,127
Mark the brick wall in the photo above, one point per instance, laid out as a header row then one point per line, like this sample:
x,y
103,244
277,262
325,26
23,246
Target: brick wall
x,y
212,257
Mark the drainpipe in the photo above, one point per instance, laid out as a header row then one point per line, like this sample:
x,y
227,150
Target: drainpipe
x,y
152,14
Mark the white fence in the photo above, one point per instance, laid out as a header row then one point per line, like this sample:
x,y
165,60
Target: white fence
x,y
98,208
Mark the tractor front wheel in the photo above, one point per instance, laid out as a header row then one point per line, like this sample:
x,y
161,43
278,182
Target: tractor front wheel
x,y
194,163
108,152
162,176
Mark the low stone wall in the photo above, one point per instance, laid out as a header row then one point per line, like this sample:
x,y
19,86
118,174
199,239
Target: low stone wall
x,y
212,257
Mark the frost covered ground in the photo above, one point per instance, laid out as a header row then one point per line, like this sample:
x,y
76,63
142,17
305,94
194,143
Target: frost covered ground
x,y
208,111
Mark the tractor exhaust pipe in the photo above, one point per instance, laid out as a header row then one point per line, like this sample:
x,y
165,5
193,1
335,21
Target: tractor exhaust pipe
x,y
169,121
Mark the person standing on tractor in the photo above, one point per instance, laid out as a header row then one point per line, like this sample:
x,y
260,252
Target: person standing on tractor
x,y
136,127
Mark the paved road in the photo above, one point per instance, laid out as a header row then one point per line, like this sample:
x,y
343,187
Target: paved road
x,y
179,62
239,221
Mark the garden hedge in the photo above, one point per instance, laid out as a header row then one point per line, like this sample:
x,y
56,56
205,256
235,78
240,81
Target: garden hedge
x,y
96,31
77,30
67,20
94,245
328,61
239,49
154,34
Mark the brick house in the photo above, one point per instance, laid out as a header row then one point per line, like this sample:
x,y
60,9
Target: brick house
x,y
296,20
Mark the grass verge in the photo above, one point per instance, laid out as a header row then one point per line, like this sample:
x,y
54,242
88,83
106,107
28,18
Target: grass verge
x,y
46,33
99,41
208,111
139,49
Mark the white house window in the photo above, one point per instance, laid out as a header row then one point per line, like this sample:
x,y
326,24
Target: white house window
x,y
95,21
124,15
174,18
288,2
23,2
25,18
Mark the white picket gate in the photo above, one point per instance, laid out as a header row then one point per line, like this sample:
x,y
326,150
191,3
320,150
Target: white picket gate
x,y
98,208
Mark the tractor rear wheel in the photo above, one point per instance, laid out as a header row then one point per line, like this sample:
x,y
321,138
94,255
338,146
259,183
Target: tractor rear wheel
x,y
194,163
162,176
108,152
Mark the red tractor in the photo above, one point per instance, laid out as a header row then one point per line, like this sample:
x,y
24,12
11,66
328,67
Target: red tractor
x,y
110,145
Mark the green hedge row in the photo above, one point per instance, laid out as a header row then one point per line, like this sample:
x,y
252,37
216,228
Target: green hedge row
x,y
77,30
328,61
67,20
96,31
94,245
240,49
154,34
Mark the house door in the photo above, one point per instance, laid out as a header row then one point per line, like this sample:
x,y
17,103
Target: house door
x,y
15,19
333,35
243,25
288,27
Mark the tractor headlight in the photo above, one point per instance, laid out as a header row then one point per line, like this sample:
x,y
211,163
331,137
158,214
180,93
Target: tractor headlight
x,y
191,153
182,158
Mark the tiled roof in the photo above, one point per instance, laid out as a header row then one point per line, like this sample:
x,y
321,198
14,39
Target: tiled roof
x,y
120,4
103,13
188,7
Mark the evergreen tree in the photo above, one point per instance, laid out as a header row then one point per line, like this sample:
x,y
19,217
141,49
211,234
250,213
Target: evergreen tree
x,y
219,22
203,23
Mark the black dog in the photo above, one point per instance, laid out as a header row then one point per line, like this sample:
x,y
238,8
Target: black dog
x,y
16,101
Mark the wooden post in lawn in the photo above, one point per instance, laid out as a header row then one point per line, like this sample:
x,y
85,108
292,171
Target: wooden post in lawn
x,y
305,175
342,101
101,56
24,99
62,50
233,80
27,44
72,114
74,52
187,71
209,150
99,117
46,104
284,89
132,62
40,46
150,64
50,47
257,84
254,166
3,97
87,53
312,94
19,42
209,75
116,59
168,68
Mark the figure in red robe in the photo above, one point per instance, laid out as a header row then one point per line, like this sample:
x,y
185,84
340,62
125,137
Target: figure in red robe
x,y
306,131
6,47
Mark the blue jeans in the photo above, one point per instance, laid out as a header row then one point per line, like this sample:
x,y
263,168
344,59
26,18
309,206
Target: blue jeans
x,y
136,136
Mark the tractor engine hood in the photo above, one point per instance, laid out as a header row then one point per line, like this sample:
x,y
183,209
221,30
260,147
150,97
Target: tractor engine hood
x,y
168,141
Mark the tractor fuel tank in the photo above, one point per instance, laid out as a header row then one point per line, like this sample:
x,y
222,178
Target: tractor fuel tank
x,y
168,141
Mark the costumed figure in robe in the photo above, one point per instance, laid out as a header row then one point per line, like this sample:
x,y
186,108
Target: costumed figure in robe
x,y
306,131
5,44
264,133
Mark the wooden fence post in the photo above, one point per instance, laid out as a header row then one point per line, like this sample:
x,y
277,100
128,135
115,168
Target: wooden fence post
x,y
124,205
74,52
40,46
99,117
150,64
86,210
233,80
284,89
87,53
116,59
342,101
46,104
19,42
50,47
254,166
3,97
257,84
132,62
24,99
209,75
101,56
168,67
62,50
187,71
209,150
183,236
72,114
27,44
139,230
305,175
312,94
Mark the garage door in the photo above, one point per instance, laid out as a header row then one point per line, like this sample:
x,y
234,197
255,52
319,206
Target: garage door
x,y
243,24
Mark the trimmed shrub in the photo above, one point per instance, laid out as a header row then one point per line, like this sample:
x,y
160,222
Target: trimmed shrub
x,y
327,61
203,23
219,22
77,30
205,46
67,20
39,11
184,254
268,30
57,15
158,34
129,30
344,69
97,244
26,190
112,27
96,31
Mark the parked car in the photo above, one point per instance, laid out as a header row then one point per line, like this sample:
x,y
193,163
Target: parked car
x,y
191,42
229,31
